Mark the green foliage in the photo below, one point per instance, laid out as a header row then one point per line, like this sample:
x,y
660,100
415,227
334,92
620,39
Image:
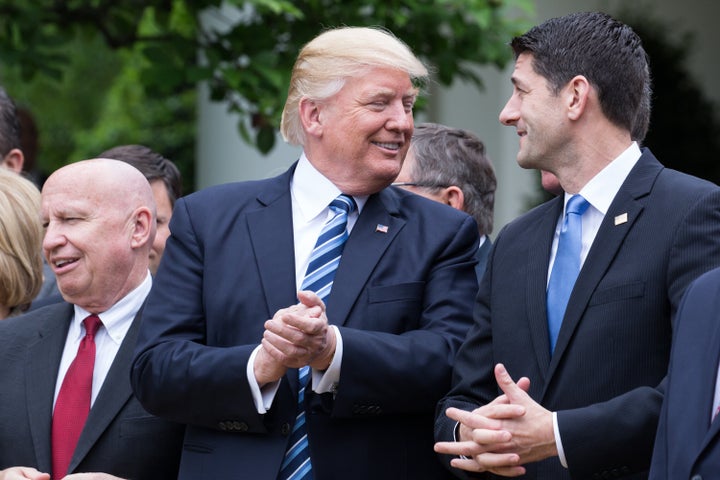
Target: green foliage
x,y
65,105
247,49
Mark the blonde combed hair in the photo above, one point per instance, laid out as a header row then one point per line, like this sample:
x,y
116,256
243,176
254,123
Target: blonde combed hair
x,y
21,236
327,61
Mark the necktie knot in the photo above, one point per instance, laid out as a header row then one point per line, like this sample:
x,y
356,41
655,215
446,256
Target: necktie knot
x,y
92,324
343,203
577,204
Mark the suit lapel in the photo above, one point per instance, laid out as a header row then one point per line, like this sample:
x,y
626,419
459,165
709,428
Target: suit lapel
x,y
41,376
364,248
537,265
271,234
627,204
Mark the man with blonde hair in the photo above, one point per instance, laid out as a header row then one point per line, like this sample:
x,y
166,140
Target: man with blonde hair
x,y
344,383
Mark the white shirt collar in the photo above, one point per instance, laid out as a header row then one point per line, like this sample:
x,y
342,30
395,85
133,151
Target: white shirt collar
x,y
602,188
118,318
312,192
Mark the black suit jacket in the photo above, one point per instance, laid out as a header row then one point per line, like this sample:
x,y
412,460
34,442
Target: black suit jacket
x,y
402,299
119,437
661,231
688,444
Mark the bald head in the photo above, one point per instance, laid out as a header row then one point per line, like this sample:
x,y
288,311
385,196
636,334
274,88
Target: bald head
x,y
100,224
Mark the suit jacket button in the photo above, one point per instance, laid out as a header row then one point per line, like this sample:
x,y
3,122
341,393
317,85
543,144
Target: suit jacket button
x,y
696,477
285,429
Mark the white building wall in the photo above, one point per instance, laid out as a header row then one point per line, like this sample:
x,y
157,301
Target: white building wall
x,y
222,156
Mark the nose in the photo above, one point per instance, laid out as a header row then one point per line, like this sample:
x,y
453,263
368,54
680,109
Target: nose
x,y
400,118
510,114
53,238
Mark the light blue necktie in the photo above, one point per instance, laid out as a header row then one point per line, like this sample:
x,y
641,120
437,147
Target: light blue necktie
x,y
324,261
566,267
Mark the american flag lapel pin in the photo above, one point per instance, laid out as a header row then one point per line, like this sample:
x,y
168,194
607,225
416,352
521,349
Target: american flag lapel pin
x,y
381,228
620,219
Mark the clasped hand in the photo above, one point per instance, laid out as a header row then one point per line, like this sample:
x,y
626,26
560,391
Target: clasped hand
x,y
296,336
29,473
503,435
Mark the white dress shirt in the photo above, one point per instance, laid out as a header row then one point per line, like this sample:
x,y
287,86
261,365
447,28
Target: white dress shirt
x,y
600,191
311,195
116,322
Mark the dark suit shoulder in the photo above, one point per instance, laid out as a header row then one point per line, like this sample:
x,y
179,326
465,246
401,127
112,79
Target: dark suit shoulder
x,y
36,322
708,280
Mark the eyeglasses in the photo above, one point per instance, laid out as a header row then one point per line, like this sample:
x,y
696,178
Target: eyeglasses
x,y
413,184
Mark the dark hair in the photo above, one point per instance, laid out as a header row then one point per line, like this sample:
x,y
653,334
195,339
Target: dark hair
x,y
446,156
606,52
153,165
9,124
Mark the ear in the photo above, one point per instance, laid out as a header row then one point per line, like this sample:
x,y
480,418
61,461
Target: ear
x,y
14,160
577,92
310,117
454,197
142,229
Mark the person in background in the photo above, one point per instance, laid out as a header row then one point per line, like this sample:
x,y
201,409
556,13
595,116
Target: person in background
x,y
21,233
562,374
13,158
67,404
688,439
166,184
11,155
449,165
305,326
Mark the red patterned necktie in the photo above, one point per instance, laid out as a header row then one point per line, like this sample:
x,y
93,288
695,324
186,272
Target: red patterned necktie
x,y
73,401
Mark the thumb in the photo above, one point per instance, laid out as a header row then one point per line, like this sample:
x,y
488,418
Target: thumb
x,y
512,390
310,299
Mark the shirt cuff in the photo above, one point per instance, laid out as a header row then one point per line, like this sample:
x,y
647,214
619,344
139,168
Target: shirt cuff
x,y
558,441
262,397
328,380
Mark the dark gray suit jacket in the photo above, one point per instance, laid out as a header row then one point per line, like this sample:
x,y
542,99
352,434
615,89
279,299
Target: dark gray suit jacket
x,y
119,437
661,231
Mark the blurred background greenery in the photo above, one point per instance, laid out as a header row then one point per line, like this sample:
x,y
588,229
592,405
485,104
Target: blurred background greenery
x,y
99,73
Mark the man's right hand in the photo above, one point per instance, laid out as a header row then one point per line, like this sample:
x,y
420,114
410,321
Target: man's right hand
x,y
17,473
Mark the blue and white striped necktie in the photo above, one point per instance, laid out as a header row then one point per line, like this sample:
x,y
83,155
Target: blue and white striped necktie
x,y
319,277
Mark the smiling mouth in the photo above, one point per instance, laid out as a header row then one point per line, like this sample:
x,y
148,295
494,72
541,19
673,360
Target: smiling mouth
x,y
60,264
388,146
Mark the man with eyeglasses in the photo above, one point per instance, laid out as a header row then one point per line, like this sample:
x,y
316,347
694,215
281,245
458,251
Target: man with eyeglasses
x,y
449,165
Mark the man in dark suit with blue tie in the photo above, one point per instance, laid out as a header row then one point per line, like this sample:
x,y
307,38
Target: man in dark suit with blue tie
x,y
688,437
589,353
449,165
225,345
66,404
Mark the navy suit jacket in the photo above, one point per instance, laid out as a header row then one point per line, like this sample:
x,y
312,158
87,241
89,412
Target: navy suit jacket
x,y
662,230
402,299
119,437
688,444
